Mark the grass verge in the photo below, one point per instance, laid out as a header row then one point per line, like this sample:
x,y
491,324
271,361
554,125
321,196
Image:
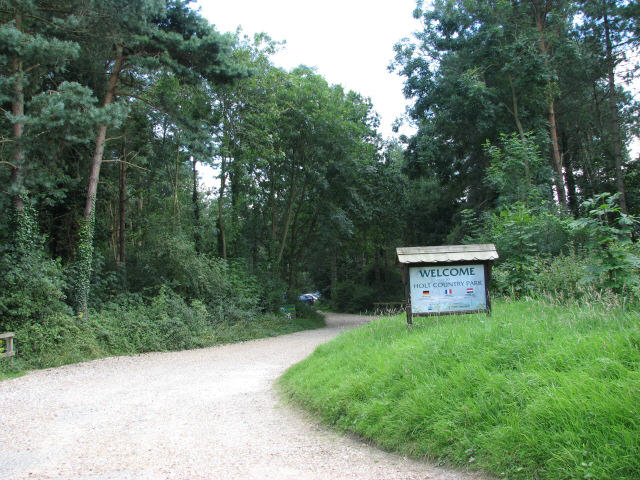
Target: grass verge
x,y
63,339
537,391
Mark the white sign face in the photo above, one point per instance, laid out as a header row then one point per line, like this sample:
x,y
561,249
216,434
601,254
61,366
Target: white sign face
x,y
456,288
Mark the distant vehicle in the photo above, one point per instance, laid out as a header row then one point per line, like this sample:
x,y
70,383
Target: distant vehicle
x,y
309,298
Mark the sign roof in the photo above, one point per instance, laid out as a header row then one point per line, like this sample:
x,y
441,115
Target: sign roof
x,y
447,253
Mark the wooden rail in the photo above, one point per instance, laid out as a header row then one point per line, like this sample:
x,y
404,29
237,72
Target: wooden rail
x,y
8,344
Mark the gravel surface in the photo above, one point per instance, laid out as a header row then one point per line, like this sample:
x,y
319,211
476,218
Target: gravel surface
x,y
200,414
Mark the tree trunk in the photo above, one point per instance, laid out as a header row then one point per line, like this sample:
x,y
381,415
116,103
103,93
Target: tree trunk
x,y
516,111
557,157
544,47
101,137
17,108
122,231
235,187
85,236
222,239
287,219
572,195
614,127
196,208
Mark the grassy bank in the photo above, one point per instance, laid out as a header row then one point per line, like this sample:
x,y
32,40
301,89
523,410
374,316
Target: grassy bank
x,y
167,323
537,391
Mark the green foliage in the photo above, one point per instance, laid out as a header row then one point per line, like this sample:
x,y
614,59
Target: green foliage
x,y
307,197
164,322
55,340
468,228
132,324
354,296
479,71
517,172
31,284
561,277
521,235
608,233
535,391
227,289
81,273
357,295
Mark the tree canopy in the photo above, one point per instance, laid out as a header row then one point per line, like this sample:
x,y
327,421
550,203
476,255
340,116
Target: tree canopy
x,y
112,111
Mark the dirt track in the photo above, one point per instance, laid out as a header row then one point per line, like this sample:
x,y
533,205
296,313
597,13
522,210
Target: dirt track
x,y
199,414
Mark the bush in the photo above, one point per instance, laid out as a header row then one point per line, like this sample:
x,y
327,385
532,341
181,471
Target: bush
x,y
562,277
130,324
522,235
164,322
608,238
55,340
227,289
352,296
31,284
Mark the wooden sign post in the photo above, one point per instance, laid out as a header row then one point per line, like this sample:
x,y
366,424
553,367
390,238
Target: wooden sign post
x,y
446,280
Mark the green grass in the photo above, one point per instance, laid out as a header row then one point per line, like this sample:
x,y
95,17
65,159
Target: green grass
x,y
537,391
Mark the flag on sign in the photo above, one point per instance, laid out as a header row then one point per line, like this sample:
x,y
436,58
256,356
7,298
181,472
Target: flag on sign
x,y
469,291
425,292
448,291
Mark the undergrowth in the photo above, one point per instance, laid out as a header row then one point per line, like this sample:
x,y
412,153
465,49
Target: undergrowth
x,y
536,391
166,322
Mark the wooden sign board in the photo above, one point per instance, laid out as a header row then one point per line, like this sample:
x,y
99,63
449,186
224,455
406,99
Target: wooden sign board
x,y
288,311
447,280
6,342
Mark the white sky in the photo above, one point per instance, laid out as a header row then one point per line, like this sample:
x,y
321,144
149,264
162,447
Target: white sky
x,y
350,42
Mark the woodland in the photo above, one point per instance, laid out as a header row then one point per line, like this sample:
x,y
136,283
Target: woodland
x,y
524,119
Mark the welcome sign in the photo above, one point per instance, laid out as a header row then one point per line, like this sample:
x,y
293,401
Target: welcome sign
x,y
447,289
446,279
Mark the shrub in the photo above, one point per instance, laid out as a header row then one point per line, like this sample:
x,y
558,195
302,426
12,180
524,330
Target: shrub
x,y
55,340
517,171
522,236
228,291
353,296
31,284
163,322
608,238
561,277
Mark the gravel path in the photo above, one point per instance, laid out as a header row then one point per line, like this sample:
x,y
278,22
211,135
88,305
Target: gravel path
x,y
198,414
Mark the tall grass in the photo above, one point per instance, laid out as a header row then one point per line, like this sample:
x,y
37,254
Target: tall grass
x,y
537,391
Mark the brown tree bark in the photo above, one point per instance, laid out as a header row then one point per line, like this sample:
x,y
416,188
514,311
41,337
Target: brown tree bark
x,y
222,236
196,208
572,193
17,109
85,241
122,213
101,137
